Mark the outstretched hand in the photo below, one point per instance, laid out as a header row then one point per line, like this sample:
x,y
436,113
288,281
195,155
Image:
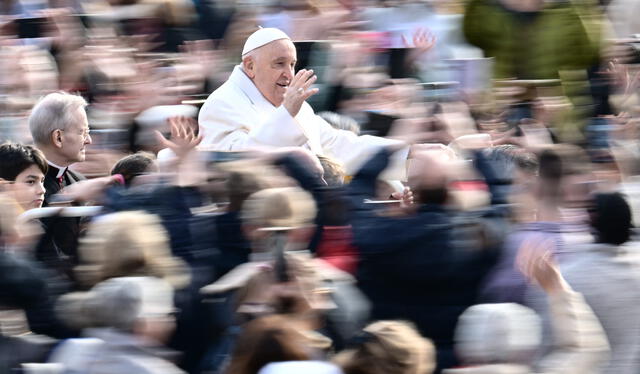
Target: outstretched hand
x,y
299,90
423,41
183,136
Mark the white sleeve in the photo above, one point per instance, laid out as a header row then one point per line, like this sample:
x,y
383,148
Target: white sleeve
x,y
236,126
581,344
352,151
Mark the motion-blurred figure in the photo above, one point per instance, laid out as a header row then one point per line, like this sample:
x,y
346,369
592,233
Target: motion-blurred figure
x,y
390,347
503,338
423,267
533,39
127,321
263,104
606,274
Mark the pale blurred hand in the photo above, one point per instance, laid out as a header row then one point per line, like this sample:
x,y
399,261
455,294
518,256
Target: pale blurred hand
x,y
405,196
423,40
626,79
473,141
436,151
411,131
183,136
535,261
407,206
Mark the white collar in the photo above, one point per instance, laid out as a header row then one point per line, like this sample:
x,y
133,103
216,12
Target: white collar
x,y
61,169
240,79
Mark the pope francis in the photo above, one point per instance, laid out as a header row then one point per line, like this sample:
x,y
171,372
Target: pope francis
x,y
262,104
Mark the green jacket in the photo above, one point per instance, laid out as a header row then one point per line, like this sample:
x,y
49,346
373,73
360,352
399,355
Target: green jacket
x,y
531,46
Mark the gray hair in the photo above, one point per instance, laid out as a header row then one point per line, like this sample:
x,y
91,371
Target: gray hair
x,y
341,122
117,302
52,112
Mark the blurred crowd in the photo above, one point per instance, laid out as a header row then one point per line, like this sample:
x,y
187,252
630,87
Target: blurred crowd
x,y
406,187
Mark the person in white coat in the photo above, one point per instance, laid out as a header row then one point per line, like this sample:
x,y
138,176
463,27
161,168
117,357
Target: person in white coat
x,y
262,104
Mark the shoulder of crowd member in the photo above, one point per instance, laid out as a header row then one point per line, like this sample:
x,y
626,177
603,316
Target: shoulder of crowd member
x,y
375,165
481,229
21,282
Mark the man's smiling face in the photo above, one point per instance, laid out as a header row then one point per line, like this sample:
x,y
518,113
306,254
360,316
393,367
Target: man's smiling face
x,y
271,68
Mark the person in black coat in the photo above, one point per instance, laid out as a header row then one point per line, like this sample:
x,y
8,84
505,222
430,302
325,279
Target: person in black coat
x,y
59,127
424,267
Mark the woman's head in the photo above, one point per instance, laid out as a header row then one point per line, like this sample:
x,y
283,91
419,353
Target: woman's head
x,y
389,347
128,244
25,167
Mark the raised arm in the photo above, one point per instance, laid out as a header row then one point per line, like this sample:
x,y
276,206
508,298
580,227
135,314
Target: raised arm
x,y
580,344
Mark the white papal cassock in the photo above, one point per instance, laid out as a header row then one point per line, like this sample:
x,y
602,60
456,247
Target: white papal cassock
x,y
237,117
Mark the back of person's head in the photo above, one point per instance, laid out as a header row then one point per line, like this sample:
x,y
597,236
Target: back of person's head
x,y
333,172
127,304
497,333
18,157
611,218
428,178
564,174
53,112
265,340
128,244
286,207
551,172
134,165
388,347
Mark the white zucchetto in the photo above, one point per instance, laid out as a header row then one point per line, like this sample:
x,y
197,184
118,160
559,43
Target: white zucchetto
x,y
262,37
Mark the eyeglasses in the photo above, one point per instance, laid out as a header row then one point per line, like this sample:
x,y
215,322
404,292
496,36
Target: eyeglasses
x,y
84,133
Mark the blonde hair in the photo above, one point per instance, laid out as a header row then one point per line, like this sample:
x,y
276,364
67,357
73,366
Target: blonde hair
x,y
279,207
128,244
334,173
390,347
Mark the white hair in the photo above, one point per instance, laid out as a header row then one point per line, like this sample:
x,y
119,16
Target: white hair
x,y
54,111
253,54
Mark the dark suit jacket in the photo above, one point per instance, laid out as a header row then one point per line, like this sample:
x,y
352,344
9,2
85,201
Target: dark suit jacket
x,y
58,247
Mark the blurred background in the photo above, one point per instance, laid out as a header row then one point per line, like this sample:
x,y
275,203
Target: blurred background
x,y
500,81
